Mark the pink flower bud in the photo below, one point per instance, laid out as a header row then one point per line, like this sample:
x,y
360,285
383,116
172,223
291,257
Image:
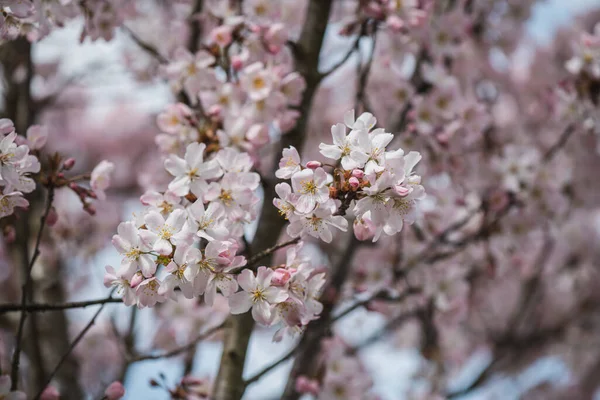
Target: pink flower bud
x,y
90,209
237,63
50,393
358,173
68,164
52,217
215,111
115,391
418,17
395,23
136,280
401,190
74,186
10,234
305,385
37,136
313,164
280,277
258,134
6,126
354,182
364,229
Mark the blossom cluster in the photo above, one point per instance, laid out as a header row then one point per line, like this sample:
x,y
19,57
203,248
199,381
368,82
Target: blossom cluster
x,y
242,98
17,165
36,19
378,185
187,239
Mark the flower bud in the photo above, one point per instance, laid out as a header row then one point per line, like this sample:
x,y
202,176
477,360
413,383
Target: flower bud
x,y
10,234
395,23
50,393
68,164
313,164
358,173
115,391
37,136
6,126
90,209
354,183
401,190
280,277
305,385
237,63
52,217
136,280
215,111
364,229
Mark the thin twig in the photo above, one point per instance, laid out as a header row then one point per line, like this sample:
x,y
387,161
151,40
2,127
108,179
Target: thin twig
x,y
380,295
145,46
355,47
267,252
269,367
72,346
181,349
14,374
40,307
560,143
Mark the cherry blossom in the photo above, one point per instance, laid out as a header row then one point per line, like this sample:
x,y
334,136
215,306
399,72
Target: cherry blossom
x,y
258,294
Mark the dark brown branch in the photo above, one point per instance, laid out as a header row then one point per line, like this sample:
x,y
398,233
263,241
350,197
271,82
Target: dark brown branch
x,y
270,367
128,343
560,143
40,307
252,261
229,382
309,345
14,374
195,27
381,295
355,47
74,343
145,46
179,350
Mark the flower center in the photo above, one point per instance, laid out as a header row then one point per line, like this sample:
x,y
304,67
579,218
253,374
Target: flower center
x,y
309,187
133,253
226,197
258,294
166,232
258,83
315,222
179,272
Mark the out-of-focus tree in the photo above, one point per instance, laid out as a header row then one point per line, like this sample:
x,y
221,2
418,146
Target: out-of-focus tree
x,y
314,161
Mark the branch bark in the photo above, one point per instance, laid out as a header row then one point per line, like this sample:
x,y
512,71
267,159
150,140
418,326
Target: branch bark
x,y
229,384
308,348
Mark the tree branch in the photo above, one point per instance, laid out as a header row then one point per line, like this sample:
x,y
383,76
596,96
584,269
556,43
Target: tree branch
x,y
560,143
145,46
179,350
40,307
14,374
270,367
229,383
252,261
355,47
70,349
